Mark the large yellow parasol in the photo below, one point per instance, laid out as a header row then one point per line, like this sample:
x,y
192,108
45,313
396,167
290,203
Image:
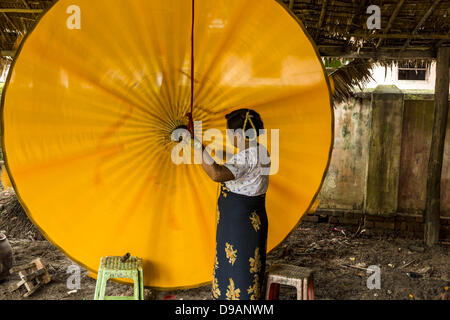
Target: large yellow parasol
x,y
98,87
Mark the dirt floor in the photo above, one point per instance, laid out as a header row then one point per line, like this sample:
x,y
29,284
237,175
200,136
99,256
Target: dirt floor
x,y
338,258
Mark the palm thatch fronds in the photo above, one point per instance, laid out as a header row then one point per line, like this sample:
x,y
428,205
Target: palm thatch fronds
x,y
351,75
5,63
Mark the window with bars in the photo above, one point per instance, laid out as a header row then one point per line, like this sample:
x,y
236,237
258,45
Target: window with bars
x,y
412,71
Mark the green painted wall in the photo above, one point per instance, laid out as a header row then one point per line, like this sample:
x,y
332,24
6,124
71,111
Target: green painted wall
x,y
344,185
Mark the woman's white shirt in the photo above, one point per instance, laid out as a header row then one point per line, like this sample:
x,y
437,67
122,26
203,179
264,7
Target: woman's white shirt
x,y
251,168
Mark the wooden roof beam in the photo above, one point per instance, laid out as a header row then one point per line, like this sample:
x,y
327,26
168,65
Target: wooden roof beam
x,y
2,35
361,9
321,19
391,20
441,42
343,52
421,22
298,14
25,3
13,10
376,54
10,21
401,36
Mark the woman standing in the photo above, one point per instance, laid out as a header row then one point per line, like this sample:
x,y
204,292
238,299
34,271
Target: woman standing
x,y
242,221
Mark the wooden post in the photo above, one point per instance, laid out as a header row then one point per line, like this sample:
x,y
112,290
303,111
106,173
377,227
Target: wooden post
x,y
385,146
433,203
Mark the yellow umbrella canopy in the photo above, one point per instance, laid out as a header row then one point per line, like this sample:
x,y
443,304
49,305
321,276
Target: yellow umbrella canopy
x,y
95,93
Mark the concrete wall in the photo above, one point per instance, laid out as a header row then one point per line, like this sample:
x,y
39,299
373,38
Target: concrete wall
x,y
345,183
345,186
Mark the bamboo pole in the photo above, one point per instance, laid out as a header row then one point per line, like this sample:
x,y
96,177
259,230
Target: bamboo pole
x,y
391,20
12,10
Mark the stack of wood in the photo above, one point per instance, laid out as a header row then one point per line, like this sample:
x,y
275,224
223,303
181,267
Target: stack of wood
x,y
32,276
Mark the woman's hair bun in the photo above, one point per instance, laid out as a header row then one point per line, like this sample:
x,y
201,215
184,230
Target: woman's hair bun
x,y
236,120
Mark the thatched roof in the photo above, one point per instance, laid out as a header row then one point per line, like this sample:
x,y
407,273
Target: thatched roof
x,y
409,28
16,18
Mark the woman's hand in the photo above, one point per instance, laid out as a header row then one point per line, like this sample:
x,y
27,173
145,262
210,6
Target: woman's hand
x,y
215,171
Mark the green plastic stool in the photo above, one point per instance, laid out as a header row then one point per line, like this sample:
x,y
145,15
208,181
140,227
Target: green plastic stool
x,y
113,268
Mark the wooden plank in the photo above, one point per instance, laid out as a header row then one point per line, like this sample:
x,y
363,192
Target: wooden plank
x,y
432,211
31,288
22,267
16,285
417,127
